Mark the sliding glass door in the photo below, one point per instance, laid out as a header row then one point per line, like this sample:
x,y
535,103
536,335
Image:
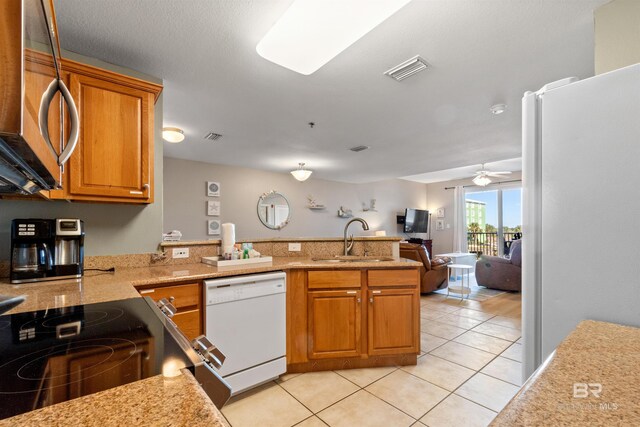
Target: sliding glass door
x,y
494,219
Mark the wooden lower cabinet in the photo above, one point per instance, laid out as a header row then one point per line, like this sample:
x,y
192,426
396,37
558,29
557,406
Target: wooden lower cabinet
x,y
187,299
392,324
352,318
334,323
94,369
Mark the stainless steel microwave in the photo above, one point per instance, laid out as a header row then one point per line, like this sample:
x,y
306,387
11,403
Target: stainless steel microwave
x,y
35,141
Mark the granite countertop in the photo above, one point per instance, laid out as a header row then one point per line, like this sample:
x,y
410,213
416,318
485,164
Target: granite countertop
x,y
157,400
153,401
100,287
596,354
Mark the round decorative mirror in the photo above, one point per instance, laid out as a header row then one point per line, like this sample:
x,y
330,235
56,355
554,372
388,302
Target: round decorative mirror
x,y
274,210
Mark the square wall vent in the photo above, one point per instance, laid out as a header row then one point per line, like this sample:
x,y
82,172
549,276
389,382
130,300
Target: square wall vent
x,y
407,68
212,136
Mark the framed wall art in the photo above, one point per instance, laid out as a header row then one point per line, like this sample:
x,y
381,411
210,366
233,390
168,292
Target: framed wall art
x,y
213,227
213,208
213,189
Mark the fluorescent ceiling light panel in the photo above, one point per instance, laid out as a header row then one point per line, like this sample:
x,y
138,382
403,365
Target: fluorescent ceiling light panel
x,y
313,32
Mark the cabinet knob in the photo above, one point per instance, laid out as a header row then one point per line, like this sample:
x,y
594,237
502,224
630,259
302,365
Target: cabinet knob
x,y
172,299
146,186
371,300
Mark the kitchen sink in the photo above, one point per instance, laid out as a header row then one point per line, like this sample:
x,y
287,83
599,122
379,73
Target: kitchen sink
x,y
355,258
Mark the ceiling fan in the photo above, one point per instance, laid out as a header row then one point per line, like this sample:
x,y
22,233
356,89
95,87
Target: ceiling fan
x,y
482,176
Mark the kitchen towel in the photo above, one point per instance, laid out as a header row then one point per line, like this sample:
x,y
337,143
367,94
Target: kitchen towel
x,y
228,237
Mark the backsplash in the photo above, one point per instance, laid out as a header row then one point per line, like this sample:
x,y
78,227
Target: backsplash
x,y
321,247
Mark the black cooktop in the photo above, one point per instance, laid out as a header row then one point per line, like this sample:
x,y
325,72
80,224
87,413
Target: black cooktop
x,y
50,356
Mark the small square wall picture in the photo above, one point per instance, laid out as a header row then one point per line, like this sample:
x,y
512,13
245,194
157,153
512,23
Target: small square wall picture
x,y
213,189
439,224
213,208
213,227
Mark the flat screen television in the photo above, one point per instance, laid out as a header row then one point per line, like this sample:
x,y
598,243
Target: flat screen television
x,y
416,221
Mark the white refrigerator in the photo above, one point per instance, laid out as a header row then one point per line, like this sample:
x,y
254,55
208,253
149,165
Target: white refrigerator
x,y
581,208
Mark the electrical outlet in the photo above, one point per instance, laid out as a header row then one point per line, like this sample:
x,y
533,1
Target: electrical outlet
x,y
295,247
181,253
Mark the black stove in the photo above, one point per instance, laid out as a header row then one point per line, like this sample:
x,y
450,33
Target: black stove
x,y
50,356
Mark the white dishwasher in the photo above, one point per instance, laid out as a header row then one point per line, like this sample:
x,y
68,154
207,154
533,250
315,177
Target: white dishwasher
x,y
246,318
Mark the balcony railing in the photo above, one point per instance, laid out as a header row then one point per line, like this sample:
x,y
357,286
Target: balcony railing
x,y
487,243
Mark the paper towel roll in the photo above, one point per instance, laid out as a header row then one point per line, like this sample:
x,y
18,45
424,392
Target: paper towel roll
x,y
228,237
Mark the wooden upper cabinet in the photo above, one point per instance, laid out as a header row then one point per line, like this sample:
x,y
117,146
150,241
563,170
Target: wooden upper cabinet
x,y
114,157
393,321
334,324
113,160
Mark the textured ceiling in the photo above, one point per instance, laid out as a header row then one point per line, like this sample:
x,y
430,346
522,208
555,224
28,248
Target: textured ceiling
x,y
481,52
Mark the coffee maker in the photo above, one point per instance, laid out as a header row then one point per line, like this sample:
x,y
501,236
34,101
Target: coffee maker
x,y
46,249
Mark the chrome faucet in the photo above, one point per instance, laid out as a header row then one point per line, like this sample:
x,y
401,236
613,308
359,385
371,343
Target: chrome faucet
x,y
349,245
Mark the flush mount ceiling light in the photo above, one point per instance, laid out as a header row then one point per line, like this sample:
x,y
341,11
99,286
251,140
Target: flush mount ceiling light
x,y
301,174
313,32
172,135
498,108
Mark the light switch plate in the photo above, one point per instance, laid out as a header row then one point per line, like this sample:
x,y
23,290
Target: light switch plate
x,y
181,253
295,247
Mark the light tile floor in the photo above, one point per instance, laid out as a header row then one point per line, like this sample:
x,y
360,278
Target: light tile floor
x,y
468,370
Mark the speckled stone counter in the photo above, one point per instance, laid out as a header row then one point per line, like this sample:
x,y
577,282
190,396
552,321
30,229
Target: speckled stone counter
x,y
594,355
156,400
100,287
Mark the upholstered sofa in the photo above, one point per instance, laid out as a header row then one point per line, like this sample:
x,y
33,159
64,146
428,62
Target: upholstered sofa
x,y
501,273
433,272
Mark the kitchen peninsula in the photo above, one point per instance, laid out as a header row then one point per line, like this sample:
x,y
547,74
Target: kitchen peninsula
x,y
397,276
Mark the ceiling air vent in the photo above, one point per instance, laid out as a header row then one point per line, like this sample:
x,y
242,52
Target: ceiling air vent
x,y
407,68
359,148
212,136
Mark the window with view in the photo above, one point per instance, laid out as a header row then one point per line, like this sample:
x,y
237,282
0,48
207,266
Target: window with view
x,y
494,220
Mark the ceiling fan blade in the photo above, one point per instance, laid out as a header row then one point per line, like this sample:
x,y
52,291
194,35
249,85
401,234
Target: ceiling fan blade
x,y
498,173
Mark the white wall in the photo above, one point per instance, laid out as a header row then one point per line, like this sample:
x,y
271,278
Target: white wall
x,y
185,201
617,35
111,229
438,197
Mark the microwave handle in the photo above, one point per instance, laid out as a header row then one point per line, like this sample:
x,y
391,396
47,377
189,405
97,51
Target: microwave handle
x,y
56,86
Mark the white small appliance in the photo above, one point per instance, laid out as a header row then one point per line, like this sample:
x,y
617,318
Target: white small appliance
x,y
581,148
246,318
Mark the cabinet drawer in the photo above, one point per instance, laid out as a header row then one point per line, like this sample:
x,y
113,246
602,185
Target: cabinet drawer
x,y
381,278
181,296
333,279
188,322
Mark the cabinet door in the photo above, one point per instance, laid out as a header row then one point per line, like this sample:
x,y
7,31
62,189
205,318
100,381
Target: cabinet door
x,y
334,323
114,157
95,368
394,323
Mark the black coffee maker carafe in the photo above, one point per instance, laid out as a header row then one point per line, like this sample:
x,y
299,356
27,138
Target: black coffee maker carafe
x,y
46,249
